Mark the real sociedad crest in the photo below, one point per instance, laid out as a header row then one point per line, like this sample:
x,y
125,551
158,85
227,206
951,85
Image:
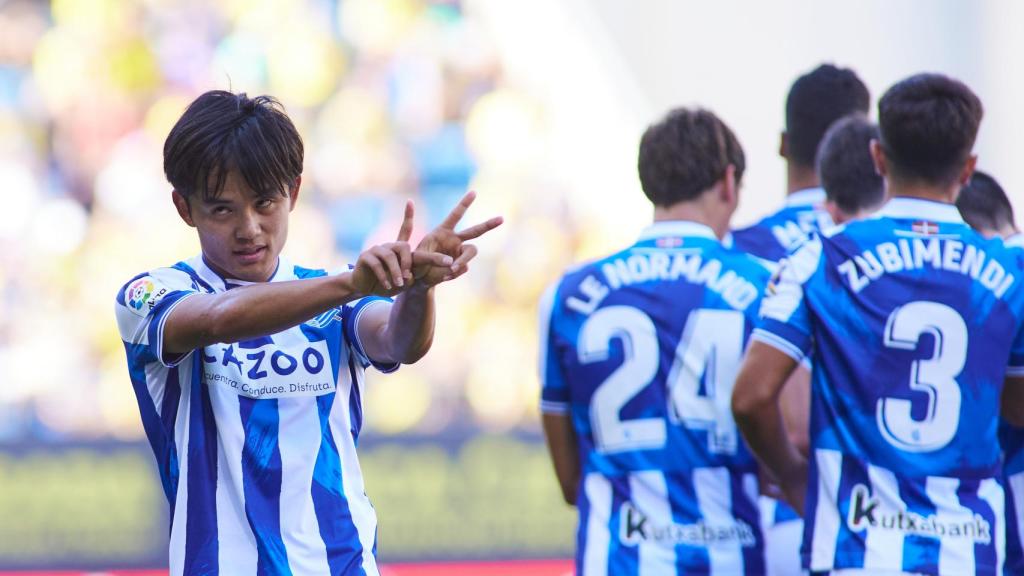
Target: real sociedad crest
x,y
325,319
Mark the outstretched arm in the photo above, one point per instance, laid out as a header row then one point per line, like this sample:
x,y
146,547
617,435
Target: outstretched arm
x,y
405,332
260,309
755,405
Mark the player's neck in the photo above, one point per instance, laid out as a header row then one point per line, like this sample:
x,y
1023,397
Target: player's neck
x,y
800,178
695,211
922,191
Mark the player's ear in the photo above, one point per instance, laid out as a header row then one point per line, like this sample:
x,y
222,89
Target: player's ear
x,y
968,170
784,144
878,157
183,208
293,193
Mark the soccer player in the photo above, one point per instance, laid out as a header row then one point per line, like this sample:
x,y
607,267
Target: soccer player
x,y
639,352
984,205
248,369
913,320
853,188
815,101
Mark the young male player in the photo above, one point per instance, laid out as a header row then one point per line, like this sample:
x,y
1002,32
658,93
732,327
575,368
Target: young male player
x,y
984,205
912,318
853,188
815,101
248,369
638,356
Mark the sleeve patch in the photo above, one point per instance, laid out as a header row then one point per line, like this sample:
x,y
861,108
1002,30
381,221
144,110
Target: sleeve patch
x,y
142,295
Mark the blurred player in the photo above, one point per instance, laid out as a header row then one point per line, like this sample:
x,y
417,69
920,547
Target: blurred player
x,y
984,206
639,354
853,188
248,369
912,318
815,101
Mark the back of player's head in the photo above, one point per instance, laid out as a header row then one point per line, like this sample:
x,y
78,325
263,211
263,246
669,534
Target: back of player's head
x,y
815,101
221,132
984,205
928,124
686,153
845,167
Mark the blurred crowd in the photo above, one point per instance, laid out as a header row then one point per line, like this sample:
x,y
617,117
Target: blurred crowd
x,y
395,99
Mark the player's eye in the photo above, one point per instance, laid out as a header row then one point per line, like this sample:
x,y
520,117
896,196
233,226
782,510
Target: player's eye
x,y
264,203
221,210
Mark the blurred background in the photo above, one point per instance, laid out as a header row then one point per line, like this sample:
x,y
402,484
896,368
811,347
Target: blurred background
x,y
537,105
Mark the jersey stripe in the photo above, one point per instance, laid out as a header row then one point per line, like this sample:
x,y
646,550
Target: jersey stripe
x,y
261,480
828,465
237,551
598,492
201,540
364,520
714,498
883,549
649,493
956,556
300,531
992,494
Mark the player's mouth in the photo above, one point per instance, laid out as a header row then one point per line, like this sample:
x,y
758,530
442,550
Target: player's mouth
x,y
250,255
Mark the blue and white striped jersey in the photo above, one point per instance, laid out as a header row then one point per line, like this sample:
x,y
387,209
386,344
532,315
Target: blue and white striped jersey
x,y
1011,438
255,440
641,349
776,235
913,319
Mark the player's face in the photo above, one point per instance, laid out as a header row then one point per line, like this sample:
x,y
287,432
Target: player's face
x,y
241,233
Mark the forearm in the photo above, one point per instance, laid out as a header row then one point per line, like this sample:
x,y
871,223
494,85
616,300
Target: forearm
x,y
251,311
409,331
764,430
564,451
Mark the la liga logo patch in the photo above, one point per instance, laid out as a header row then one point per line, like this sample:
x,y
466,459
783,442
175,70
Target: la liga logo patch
x,y
139,293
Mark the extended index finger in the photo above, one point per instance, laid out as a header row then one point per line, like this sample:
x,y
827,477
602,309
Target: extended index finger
x,y
459,211
406,230
480,229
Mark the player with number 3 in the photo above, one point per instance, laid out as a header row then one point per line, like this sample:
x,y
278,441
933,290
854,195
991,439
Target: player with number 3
x,y
915,322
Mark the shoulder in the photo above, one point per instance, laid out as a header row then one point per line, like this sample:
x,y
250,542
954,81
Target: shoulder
x,y
144,290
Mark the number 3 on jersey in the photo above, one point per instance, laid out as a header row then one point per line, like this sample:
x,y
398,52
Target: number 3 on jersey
x,y
709,352
935,376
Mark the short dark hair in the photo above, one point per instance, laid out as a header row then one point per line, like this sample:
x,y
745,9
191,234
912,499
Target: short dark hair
x,y
845,167
815,101
685,154
221,132
984,205
928,124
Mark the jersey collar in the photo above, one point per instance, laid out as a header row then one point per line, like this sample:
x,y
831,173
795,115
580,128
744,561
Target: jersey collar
x,y
677,228
1015,241
806,197
221,283
920,209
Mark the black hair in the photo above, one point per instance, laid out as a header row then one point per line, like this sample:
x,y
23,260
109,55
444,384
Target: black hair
x,y
685,154
928,125
845,168
221,132
815,101
984,205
